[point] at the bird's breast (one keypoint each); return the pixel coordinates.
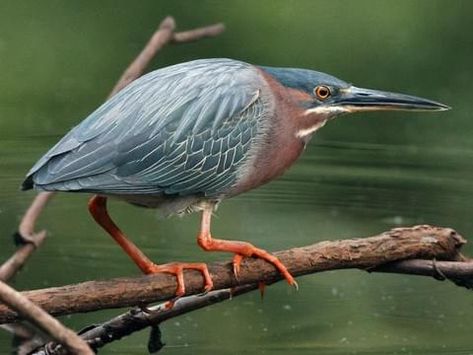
(278, 147)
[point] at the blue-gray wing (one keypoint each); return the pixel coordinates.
(185, 129)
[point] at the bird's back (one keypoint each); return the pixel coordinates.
(183, 130)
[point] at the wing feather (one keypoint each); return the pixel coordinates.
(180, 130)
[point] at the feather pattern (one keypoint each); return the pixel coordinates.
(182, 130)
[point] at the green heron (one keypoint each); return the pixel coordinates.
(186, 137)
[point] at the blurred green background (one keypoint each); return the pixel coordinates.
(361, 174)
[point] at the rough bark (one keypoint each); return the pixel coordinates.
(420, 242)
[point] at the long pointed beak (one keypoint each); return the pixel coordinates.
(355, 99)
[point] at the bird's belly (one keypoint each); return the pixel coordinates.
(166, 205)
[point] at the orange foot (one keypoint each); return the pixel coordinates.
(242, 249)
(177, 269)
(249, 250)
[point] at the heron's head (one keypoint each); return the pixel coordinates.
(326, 97)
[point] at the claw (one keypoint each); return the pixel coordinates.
(263, 254)
(169, 304)
(290, 280)
(177, 269)
(207, 288)
(236, 265)
(262, 288)
(159, 308)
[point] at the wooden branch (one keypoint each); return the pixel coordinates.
(425, 242)
(138, 319)
(26, 236)
(27, 224)
(28, 310)
(10, 267)
(459, 272)
(198, 33)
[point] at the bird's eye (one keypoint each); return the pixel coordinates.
(322, 92)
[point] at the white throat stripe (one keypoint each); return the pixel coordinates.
(308, 131)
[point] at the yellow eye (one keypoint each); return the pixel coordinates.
(322, 92)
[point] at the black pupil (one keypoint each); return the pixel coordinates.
(323, 92)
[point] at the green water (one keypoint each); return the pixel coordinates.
(361, 174)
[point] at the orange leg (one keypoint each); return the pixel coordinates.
(241, 249)
(98, 209)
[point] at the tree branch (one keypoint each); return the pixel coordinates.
(198, 33)
(10, 267)
(27, 237)
(27, 224)
(137, 319)
(425, 242)
(459, 272)
(28, 310)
